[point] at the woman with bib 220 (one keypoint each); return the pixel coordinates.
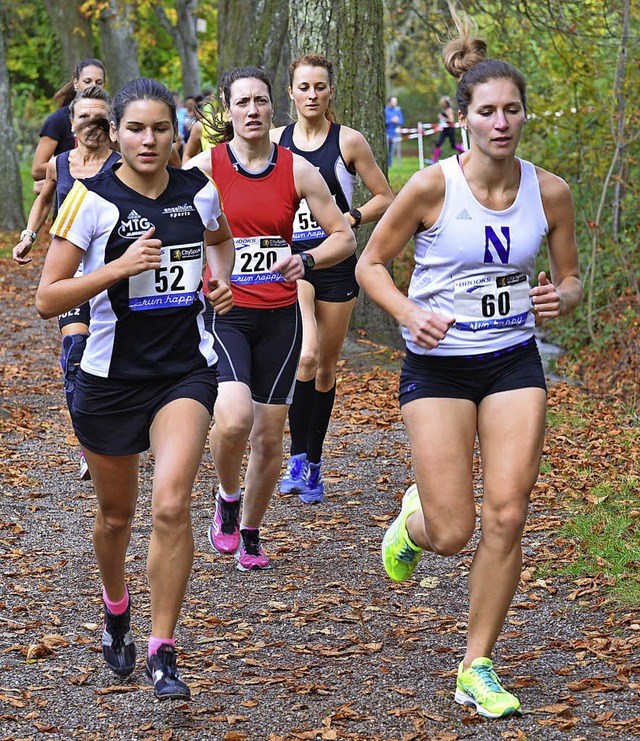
(472, 366)
(259, 341)
(327, 297)
(147, 376)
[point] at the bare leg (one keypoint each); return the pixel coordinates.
(178, 435)
(229, 436)
(333, 322)
(265, 461)
(442, 435)
(308, 364)
(115, 479)
(511, 432)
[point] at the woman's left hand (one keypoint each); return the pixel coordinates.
(220, 295)
(290, 267)
(545, 298)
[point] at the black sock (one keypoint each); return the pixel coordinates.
(319, 423)
(300, 414)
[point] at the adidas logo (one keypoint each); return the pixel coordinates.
(134, 215)
(464, 214)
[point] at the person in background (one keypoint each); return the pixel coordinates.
(147, 377)
(56, 135)
(327, 297)
(181, 114)
(90, 111)
(472, 367)
(393, 120)
(448, 131)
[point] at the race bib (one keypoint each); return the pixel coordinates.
(255, 256)
(491, 302)
(174, 283)
(305, 227)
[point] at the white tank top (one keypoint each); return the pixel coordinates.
(478, 265)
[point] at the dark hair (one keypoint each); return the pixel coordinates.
(215, 123)
(465, 59)
(315, 60)
(142, 88)
(67, 92)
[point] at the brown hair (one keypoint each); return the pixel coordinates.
(215, 123)
(465, 59)
(315, 60)
(67, 92)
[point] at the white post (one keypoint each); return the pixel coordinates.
(465, 140)
(420, 147)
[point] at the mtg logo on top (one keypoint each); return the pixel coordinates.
(135, 226)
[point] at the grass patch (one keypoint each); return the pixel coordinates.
(605, 530)
(28, 196)
(402, 171)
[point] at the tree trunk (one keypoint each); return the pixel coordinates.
(73, 28)
(262, 43)
(11, 211)
(185, 38)
(119, 45)
(351, 35)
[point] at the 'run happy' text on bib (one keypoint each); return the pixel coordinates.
(255, 256)
(175, 283)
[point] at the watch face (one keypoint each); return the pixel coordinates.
(308, 260)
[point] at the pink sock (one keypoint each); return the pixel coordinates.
(246, 527)
(116, 608)
(155, 643)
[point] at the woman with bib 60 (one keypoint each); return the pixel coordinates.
(472, 367)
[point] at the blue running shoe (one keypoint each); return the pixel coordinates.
(118, 648)
(315, 487)
(161, 670)
(295, 480)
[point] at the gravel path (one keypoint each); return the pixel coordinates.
(322, 646)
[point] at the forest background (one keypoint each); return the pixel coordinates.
(580, 59)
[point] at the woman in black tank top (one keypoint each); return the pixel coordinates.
(327, 297)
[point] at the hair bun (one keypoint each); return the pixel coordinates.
(460, 55)
(464, 52)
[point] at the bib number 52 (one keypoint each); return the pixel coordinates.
(170, 278)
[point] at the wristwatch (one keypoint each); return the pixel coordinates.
(28, 233)
(308, 260)
(356, 216)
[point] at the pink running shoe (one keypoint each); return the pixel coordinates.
(224, 533)
(250, 556)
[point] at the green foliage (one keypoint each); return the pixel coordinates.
(36, 68)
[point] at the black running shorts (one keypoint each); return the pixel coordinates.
(113, 416)
(471, 377)
(260, 348)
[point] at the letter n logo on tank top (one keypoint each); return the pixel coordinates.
(494, 244)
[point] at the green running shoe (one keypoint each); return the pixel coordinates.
(399, 555)
(480, 687)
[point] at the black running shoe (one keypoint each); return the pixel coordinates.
(118, 648)
(161, 670)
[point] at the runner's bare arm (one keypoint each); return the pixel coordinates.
(60, 291)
